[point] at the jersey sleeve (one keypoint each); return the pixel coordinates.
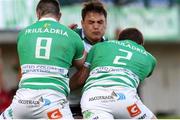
(79, 48)
(154, 62)
(19, 35)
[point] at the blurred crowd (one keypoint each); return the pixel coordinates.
(147, 3)
(6, 95)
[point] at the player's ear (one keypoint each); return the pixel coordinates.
(38, 15)
(82, 23)
(59, 16)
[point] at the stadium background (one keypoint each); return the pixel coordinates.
(159, 21)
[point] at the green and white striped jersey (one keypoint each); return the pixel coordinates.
(118, 63)
(46, 50)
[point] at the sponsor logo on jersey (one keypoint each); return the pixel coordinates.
(119, 96)
(109, 98)
(129, 45)
(42, 100)
(143, 116)
(133, 110)
(7, 115)
(4, 117)
(118, 70)
(100, 98)
(28, 102)
(62, 102)
(55, 114)
(35, 68)
(47, 30)
(45, 101)
(87, 114)
(46, 25)
(10, 112)
(95, 118)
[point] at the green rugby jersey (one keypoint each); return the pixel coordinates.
(118, 63)
(46, 50)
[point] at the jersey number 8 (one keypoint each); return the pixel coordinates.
(43, 47)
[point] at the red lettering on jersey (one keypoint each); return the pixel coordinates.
(55, 114)
(133, 110)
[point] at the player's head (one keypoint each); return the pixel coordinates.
(132, 34)
(94, 20)
(48, 8)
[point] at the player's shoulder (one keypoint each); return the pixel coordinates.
(30, 26)
(99, 44)
(151, 56)
(71, 33)
(78, 31)
(22, 31)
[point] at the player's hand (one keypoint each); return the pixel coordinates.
(73, 26)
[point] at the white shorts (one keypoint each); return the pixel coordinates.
(38, 104)
(113, 103)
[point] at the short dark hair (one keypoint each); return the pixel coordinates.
(45, 7)
(131, 34)
(93, 6)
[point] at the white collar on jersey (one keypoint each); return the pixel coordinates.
(47, 18)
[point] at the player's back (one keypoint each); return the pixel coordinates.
(47, 42)
(124, 62)
(46, 50)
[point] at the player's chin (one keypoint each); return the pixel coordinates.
(97, 37)
(97, 40)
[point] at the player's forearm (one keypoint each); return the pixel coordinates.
(79, 78)
(74, 83)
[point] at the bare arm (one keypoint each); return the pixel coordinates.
(79, 78)
(79, 63)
